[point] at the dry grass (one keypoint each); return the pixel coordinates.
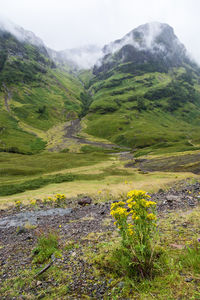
(111, 187)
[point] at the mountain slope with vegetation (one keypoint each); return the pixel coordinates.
(143, 93)
(33, 92)
(146, 96)
(58, 239)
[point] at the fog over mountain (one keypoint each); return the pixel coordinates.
(19, 32)
(83, 57)
(73, 24)
(154, 37)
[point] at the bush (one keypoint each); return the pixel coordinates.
(45, 248)
(136, 221)
(90, 149)
(34, 184)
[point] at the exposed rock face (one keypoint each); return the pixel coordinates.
(152, 46)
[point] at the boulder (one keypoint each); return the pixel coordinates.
(85, 201)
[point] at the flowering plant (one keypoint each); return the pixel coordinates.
(18, 204)
(136, 220)
(58, 200)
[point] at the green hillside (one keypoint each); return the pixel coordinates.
(151, 111)
(131, 99)
(34, 93)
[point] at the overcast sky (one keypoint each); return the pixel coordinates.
(66, 24)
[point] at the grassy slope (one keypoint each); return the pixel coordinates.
(34, 95)
(40, 105)
(125, 112)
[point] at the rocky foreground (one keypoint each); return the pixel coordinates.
(82, 221)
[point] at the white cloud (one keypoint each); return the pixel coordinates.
(66, 24)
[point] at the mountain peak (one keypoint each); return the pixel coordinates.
(150, 43)
(146, 37)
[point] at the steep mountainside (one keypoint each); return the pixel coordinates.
(34, 93)
(148, 48)
(146, 92)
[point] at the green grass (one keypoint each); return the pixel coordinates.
(14, 139)
(14, 185)
(47, 245)
(190, 259)
(14, 167)
(41, 105)
(172, 268)
(34, 184)
(164, 132)
(139, 112)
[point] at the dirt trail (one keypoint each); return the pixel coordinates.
(75, 127)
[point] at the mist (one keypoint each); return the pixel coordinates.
(70, 24)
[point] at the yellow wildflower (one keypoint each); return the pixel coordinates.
(33, 202)
(133, 216)
(129, 200)
(117, 204)
(136, 193)
(119, 212)
(151, 217)
(149, 203)
(130, 205)
(131, 232)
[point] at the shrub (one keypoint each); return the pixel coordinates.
(45, 248)
(18, 204)
(136, 221)
(90, 149)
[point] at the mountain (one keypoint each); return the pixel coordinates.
(34, 94)
(20, 33)
(150, 47)
(144, 92)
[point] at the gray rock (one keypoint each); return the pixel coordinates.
(32, 217)
(172, 198)
(189, 279)
(85, 201)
